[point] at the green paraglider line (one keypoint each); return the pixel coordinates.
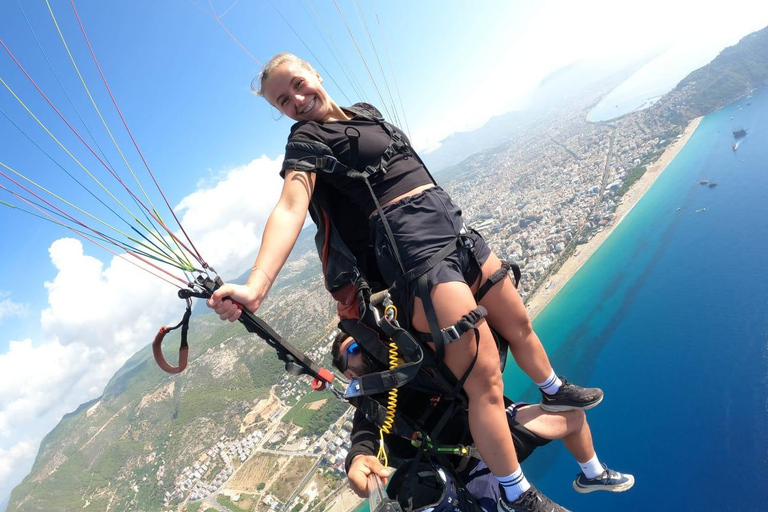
(104, 237)
(172, 256)
(68, 216)
(82, 121)
(87, 146)
(135, 144)
(186, 283)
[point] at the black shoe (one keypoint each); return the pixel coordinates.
(570, 396)
(609, 480)
(530, 501)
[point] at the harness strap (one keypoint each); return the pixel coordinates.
(465, 323)
(441, 337)
(296, 362)
(413, 355)
(457, 389)
(443, 421)
(425, 267)
(376, 414)
(496, 278)
(387, 228)
(328, 163)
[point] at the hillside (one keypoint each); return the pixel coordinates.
(734, 73)
(125, 449)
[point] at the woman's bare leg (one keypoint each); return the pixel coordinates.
(509, 317)
(484, 386)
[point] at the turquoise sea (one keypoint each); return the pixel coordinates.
(670, 318)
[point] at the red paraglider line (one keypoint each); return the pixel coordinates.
(15, 60)
(80, 223)
(130, 134)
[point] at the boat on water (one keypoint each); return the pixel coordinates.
(703, 182)
(735, 146)
(700, 210)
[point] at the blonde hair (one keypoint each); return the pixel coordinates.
(257, 84)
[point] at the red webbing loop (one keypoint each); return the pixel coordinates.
(160, 359)
(157, 349)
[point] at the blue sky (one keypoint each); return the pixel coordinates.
(70, 313)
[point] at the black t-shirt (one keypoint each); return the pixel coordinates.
(358, 143)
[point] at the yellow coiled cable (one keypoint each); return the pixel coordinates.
(389, 418)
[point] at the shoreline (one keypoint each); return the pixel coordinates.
(636, 192)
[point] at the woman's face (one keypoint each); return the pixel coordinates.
(298, 93)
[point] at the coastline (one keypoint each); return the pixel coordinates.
(347, 500)
(555, 282)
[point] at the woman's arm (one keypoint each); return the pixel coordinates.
(280, 234)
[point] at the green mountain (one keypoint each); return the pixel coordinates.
(126, 449)
(734, 73)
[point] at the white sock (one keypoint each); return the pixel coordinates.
(551, 385)
(514, 485)
(592, 468)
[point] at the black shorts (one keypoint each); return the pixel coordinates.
(525, 440)
(423, 224)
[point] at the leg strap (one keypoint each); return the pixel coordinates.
(442, 337)
(497, 276)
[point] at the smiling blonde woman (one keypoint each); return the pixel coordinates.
(411, 221)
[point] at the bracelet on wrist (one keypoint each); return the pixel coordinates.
(256, 267)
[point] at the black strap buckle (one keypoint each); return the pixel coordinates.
(323, 161)
(371, 170)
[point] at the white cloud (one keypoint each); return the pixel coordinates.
(20, 455)
(99, 314)
(91, 305)
(49, 372)
(227, 219)
(9, 308)
(56, 379)
(96, 319)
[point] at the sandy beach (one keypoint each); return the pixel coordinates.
(629, 200)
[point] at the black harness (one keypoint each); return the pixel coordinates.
(347, 279)
(323, 160)
(370, 329)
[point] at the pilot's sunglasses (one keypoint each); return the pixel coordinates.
(352, 349)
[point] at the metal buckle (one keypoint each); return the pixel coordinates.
(451, 334)
(467, 242)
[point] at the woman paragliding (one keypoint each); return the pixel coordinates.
(411, 222)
